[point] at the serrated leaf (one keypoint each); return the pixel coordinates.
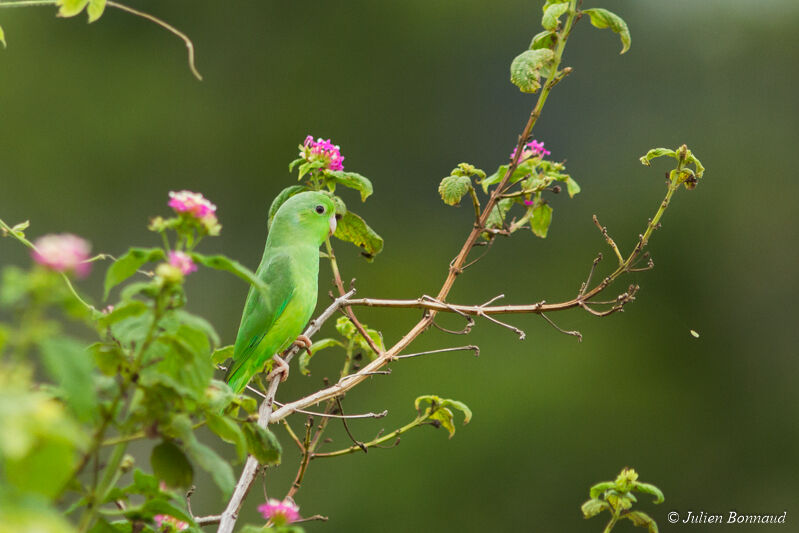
(229, 431)
(171, 465)
(281, 198)
(354, 229)
(220, 262)
(129, 264)
(542, 218)
(305, 358)
(70, 8)
(525, 70)
(95, 9)
(602, 18)
(262, 444)
(220, 470)
(353, 180)
(552, 14)
(453, 188)
(593, 507)
(657, 152)
(650, 489)
(70, 364)
(641, 519)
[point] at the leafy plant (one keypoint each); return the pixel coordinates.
(70, 406)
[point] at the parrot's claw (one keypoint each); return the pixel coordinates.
(304, 342)
(281, 368)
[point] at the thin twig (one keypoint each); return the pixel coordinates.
(167, 27)
(475, 349)
(572, 333)
(330, 415)
(346, 427)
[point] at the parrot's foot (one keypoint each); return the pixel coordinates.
(304, 342)
(281, 369)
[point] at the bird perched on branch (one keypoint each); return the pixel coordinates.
(273, 318)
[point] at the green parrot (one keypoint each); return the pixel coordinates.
(273, 320)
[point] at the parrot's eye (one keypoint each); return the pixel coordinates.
(320, 209)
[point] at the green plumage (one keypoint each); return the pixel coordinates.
(273, 319)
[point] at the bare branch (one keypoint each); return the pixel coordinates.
(574, 333)
(472, 347)
(330, 415)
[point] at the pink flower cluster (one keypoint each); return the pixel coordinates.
(324, 150)
(183, 262)
(193, 203)
(280, 512)
(196, 206)
(63, 253)
(531, 149)
(165, 520)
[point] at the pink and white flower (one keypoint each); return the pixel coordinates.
(280, 512)
(165, 521)
(183, 262)
(531, 149)
(322, 150)
(193, 203)
(63, 253)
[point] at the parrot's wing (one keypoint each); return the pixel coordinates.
(262, 311)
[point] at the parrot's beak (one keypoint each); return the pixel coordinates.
(332, 224)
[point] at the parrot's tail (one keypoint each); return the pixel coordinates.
(238, 377)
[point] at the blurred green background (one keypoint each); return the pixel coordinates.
(98, 123)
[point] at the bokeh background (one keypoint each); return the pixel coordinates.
(98, 123)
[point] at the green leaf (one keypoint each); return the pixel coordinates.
(308, 166)
(70, 8)
(599, 488)
(305, 358)
(263, 444)
(162, 506)
(95, 9)
(228, 431)
(652, 490)
(70, 364)
(593, 507)
(128, 264)
(641, 519)
(552, 14)
(171, 465)
(657, 152)
(453, 188)
(44, 471)
(220, 469)
(545, 39)
(347, 330)
(439, 410)
(338, 203)
(2, 37)
(602, 18)
(525, 70)
(222, 354)
(296, 162)
(496, 219)
(353, 180)
(354, 229)
(571, 186)
(198, 323)
(281, 198)
(542, 218)
(220, 262)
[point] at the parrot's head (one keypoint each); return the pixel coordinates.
(307, 216)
